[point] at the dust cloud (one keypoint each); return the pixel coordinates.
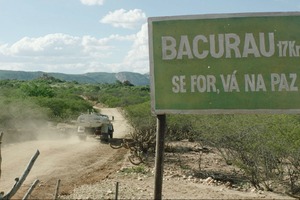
(32, 130)
(22, 121)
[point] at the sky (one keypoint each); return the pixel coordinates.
(80, 36)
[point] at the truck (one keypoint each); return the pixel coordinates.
(95, 125)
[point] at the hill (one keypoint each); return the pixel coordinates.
(91, 77)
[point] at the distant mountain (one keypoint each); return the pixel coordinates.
(92, 77)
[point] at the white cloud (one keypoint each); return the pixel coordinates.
(125, 19)
(62, 45)
(137, 58)
(49, 45)
(92, 2)
(71, 54)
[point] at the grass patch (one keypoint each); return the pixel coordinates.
(141, 169)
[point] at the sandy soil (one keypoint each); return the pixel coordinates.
(67, 158)
(90, 170)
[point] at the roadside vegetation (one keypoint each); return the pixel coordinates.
(265, 147)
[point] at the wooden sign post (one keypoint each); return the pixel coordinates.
(159, 155)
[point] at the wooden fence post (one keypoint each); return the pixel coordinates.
(30, 189)
(117, 191)
(57, 189)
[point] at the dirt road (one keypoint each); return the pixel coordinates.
(72, 161)
(92, 169)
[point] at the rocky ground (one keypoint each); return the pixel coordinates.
(186, 176)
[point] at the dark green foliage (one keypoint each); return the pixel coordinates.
(122, 95)
(52, 98)
(64, 109)
(139, 115)
(37, 90)
(127, 83)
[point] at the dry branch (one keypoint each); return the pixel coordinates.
(19, 181)
(31, 189)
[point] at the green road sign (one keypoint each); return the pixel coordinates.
(235, 63)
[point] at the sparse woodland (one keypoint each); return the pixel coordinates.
(265, 147)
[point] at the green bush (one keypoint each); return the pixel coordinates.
(266, 147)
(139, 116)
(37, 90)
(118, 95)
(144, 126)
(180, 127)
(56, 100)
(64, 109)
